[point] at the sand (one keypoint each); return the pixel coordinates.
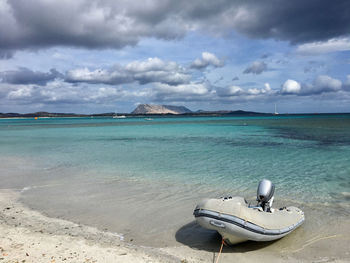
(29, 236)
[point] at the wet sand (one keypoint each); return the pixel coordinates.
(29, 236)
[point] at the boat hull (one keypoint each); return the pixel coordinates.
(236, 222)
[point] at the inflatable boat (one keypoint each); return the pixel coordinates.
(236, 221)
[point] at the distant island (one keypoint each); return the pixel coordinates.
(160, 109)
(147, 110)
(140, 111)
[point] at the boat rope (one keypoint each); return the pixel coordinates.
(222, 245)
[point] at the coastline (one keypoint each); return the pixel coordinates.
(28, 235)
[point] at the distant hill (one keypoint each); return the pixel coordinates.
(160, 109)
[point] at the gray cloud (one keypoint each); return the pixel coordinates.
(27, 76)
(115, 24)
(265, 55)
(257, 67)
(314, 67)
(322, 84)
(347, 83)
(6, 54)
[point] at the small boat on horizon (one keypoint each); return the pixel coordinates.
(119, 116)
(237, 221)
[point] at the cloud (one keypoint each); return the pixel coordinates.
(218, 80)
(295, 21)
(347, 83)
(59, 92)
(6, 54)
(314, 66)
(236, 91)
(157, 70)
(265, 55)
(235, 78)
(257, 67)
(321, 84)
(113, 76)
(21, 93)
(191, 89)
(27, 76)
(291, 87)
(144, 72)
(208, 59)
(331, 45)
(99, 24)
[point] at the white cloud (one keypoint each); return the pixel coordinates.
(267, 87)
(207, 60)
(251, 92)
(291, 87)
(157, 70)
(193, 89)
(21, 92)
(331, 45)
(113, 76)
(146, 71)
(151, 64)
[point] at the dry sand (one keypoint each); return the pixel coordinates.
(29, 236)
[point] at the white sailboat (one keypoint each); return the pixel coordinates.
(276, 113)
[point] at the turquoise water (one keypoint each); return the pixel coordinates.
(77, 164)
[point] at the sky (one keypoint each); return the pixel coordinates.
(95, 56)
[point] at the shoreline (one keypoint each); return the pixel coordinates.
(29, 236)
(26, 234)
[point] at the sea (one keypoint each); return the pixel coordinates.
(141, 178)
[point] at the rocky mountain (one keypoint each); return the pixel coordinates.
(160, 109)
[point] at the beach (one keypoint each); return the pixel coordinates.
(29, 236)
(83, 190)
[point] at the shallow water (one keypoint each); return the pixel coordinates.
(143, 178)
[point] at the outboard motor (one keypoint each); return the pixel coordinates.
(265, 192)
